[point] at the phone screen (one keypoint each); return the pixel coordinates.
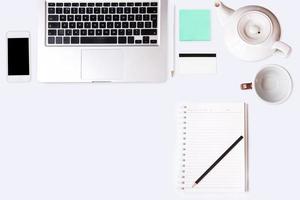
(18, 56)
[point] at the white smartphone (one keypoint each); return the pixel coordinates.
(18, 57)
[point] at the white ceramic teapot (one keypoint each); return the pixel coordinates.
(252, 33)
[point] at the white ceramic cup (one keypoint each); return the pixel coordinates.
(273, 84)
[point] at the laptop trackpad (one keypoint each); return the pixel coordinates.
(102, 65)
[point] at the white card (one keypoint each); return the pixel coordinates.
(196, 64)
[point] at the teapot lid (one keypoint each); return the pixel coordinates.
(255, 27)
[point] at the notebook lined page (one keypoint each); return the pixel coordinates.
(206, 132)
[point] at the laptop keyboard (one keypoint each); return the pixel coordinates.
(102, 23)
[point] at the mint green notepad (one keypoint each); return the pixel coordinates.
(195, 25)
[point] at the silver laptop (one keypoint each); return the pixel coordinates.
(103, 41)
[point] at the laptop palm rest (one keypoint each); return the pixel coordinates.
(102, 65)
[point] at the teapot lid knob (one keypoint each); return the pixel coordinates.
(217, 3)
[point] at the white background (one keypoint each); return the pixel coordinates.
(118, 141)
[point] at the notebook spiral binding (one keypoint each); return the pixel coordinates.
(184, 135)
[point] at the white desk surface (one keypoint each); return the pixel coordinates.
(117, 141)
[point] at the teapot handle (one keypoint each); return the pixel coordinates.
(282, 47)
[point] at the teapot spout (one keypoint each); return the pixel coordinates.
(223, 12)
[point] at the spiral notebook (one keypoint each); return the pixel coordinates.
(205, 132)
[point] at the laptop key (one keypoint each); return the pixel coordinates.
(122, 40)
(51, 10)
(89, 10)
(99, 40)
(148, 25)
(102, 25)
(130, 40)
(67, 40)
(136, 32)
(79, 24)
(149, 32)
(116, 17)
(75, 40)
(153, 41)
(85, 17)
(98, 32)
(61, 32)
(53, 25)
(118, 25)
(129, 32)
(139, 17)
(114, 32)
(104, 10)
(121, 32)
(140, 24)
(97, 10)
(100, 17)
(93, 17)
(110, 24)
(125, 25)
(70, 17)
(53, 18)
(123, 17)
(77, 17)
(68, 32)
(59, 10)
(83, 32)
(112, 10)
(143, 9)
(91, 32)
(51, 32)
(154, 24)
(87, 25)
(127, 10)
(63, 18)
(95, 25)
(135, 10)
(108, 17)
(146, 40)
(67, 10)
(120, 10)
(106, 32)
(64, 25)
(81, 10)
(75, 32)
(59, 40)
(130, 17)
(132, 24)
(74, 10)
(51, 40)
(151, 10)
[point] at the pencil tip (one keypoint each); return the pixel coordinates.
(195, 184)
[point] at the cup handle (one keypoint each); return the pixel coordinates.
(282, 47)
(246, 86)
